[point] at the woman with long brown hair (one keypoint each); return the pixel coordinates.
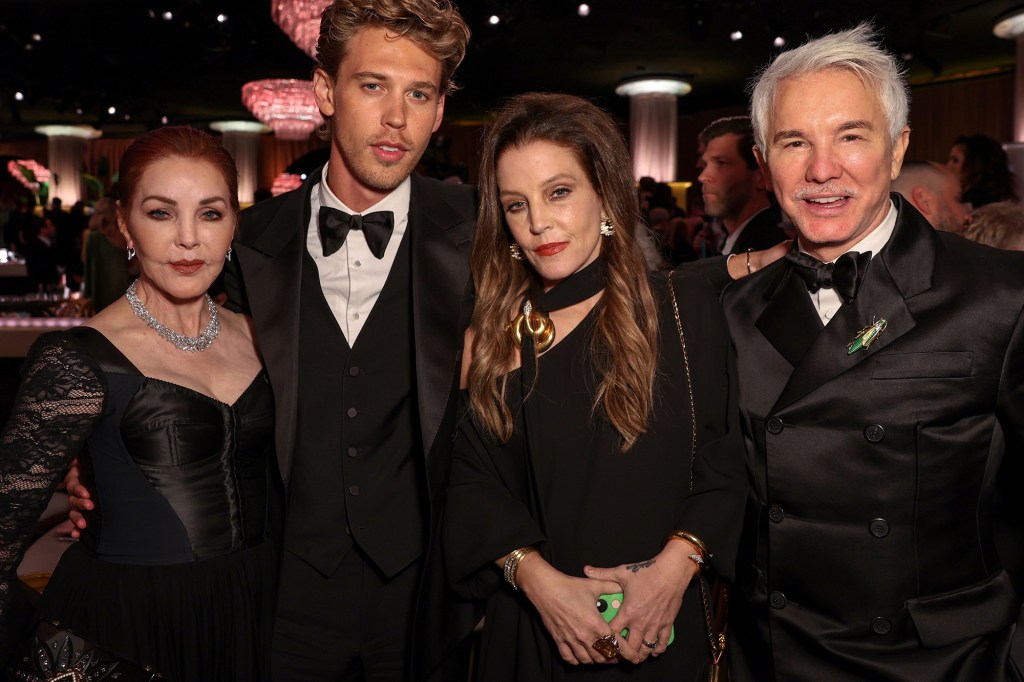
(601, 423)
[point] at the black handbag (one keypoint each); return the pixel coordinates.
(55, 654)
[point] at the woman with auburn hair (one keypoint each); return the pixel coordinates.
(600, 453)
(163, 395)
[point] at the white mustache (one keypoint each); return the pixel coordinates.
(824, 190)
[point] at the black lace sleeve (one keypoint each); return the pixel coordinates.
(59, 400)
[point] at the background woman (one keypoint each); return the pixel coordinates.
(984, 170)
(585, 455)
(106, 269)
(165, 393)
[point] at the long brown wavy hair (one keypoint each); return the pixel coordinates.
(624, 346)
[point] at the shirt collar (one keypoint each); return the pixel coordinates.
(397, 201)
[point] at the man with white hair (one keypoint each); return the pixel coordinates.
(881, 389)
(934, 190)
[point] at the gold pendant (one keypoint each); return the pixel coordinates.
(537, 325)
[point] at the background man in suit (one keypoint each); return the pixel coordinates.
(734, 188)
(934, 190)
(357, 284)
(879, 396)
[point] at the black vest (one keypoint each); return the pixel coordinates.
(358, 456)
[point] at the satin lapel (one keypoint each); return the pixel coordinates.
(789, 321)
(902, 270)
(440, 239)
(271, 267)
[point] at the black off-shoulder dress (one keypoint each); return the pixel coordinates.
(175, 570)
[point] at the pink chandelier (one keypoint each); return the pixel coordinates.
(300, 20)
(284, 104)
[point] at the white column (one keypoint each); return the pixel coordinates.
(242, 140)
(64, 159)
(653, 123)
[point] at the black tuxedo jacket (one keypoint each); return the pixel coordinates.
(869, 550)
(264, 281)
(762, 232)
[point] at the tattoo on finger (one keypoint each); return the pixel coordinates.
(640, 564)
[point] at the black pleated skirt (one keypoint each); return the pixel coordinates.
(209, 620)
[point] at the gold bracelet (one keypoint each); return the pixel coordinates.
(511, 566)
(698, 544)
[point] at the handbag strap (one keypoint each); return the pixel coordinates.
(715, 642)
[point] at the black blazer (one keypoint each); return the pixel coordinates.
(869, 548)
(264, 281)
(762, 232)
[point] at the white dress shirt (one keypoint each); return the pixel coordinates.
(352, 277)
(827, 301)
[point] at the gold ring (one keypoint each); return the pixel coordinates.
(607, 646)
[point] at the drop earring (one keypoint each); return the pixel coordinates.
(515, 252)
(131, 252)
(607, 229)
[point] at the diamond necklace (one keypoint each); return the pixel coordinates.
(189, 344)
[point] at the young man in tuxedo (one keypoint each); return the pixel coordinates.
(358, 287)
(881, 375)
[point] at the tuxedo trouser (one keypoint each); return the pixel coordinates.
(353, 625)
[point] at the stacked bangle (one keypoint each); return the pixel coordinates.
(511, 566)
(701, 556)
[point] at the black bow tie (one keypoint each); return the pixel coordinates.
(334, 226)
(845, 275)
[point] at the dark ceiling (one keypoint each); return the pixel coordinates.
(93, 54)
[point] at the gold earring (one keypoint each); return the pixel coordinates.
(607, 229)
(515, 252)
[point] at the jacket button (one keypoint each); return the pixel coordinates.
(774, 426)
(353, 371)
(352, 411)
(776, 514)
(874, 433)
(352, 452)
(777, 600)
(348, 531)
(879, 528)
(881, 626)
(353, 490)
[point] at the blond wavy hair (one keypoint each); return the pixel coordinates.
(624, 346)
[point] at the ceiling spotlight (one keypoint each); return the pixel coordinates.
(127, 117)
(78, 110)
(163, 120)
(494, 20)
(583, 10)
(168, 16)
(1011, 24)
(19, 96)
(111, 110)
(28, 47)
(36, 37)
(736, 35)
(779, 41)
(907, 56)
(221, 18)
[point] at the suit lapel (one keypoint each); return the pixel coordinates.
(901, 270)
(789, 321)
(271, 265)
(440, 243)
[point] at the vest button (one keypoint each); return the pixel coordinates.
(879, 528)
(776, 514)
(874, 433)
(777, 600)
(352, 411)
(881, 626)
(358, 264)
(352, 452)
(774, 426)
(353, 490)
(353, 371)
(355, 316)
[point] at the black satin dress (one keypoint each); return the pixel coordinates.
(175, 570)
